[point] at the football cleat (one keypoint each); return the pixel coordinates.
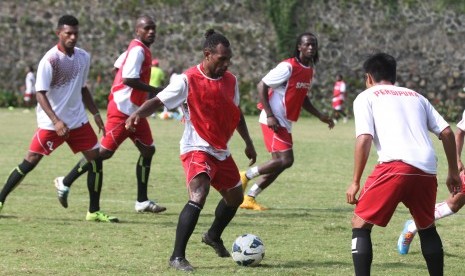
(100, 217)
(180, 263)
(149, 206)
(405, 239)
(244, 180)
(251, 204)
(62, 191)
(218, 245)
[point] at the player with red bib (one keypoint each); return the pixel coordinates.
(283, 92)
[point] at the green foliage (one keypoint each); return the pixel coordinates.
(8, 98)
(282, 15)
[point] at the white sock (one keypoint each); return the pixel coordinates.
(252, 172)
(254, 190)
(441, 210)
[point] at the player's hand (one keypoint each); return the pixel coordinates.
(351, 193)
(251, 154)
(61, 128)
(132, 121)
(101, 126)
(454, 183)
(326, 119)
(272, 123)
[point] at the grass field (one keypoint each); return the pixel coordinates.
(306, 232)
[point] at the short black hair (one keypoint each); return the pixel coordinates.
(382, 67)
(67, 20)
(212, 39)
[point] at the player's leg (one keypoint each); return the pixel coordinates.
(144, 143)
(94, 186)
(18, 174)
(420, 199)
(84, 139)
(226, 180)
(431, 248)
(44, 142)
(441, 210)
(362, 248)
(270, 171)
(198, 189)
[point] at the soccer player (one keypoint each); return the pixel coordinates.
(62, 96)
(209, 95)
(29, 90)
(339, 96)
(445, 208)
(397, 121)
(130, 89)
(282, 93)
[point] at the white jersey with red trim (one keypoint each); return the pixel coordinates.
(174, 95)
(406, 118)
(63, 77)
(461, 124)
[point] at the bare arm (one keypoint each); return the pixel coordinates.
(307, 105)
(60, 127)
(139, 85)
(145, 110)
(92, 107)
(448, 142)
(272, 122)
(459, 138)
(361, 154)
(249, 147)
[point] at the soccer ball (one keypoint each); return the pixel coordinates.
(248, 250)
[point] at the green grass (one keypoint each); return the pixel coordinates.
(307, 231)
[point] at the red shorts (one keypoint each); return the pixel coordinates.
(276, 141)
(116, 132)
(394, 182)
(79, 139)
(224, 175)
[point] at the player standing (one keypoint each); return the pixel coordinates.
(130, 89)
(398, 121)
(62, 96)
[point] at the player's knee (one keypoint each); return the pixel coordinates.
(287, 162)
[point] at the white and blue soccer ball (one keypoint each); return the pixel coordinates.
(248, 250)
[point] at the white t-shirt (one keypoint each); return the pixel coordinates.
(174, 95)
(30, 80)
(63, 77)
(119, 60)
(461, 124)
(399, 119)
(277, 79)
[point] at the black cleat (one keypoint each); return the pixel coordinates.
(181, 263)
(220, 250)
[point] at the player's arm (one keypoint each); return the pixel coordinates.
(459, 139)
(448, 142)
(60, 127)
(361, 154)
(263, 97)
(249, 147)
(89, 102)
(136, 83)
(145, 110)
(307, 105)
